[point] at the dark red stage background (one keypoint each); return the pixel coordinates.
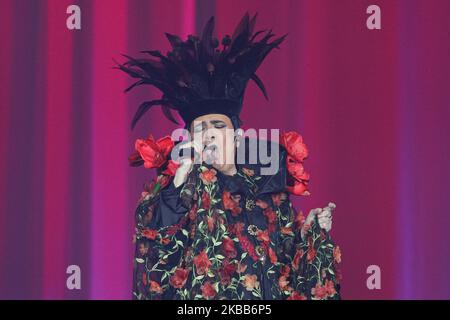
(372, 105)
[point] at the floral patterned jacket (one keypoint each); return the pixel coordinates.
(235, 237)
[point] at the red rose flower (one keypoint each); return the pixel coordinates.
(319, 292)
(206, 201)
(300, 219)
(247, 246)
(226, 272)
(228, 248)
(278, 198)
(285, 270)
(155, 287)
(178, 279)
(329, 286)
(211, 223)
(283, 282)
(154, 153)
(263, 236)
(208, 176)
(230, 204)
(270, 215)
(193, 212)
(293, 142)
(202, 262)
(172, 230)
(165, 241)
(287, 231)
(311, 251)
(208, 290)
(150, 234)
(262, 204)
(273, 256)
(296, 296)
(337, 254)
(296, 261)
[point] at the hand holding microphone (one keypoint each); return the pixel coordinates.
(186, 162)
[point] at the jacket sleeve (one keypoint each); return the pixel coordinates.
(312, 260)
(158, 214)
(162, 209)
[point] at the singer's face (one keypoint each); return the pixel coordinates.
(216, 133)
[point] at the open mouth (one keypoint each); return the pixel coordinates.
(211, 153)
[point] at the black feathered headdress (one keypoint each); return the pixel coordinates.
(201, 76)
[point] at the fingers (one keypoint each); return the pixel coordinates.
(325, 223)
(324, 214)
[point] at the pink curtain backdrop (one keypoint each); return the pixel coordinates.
(373, 107)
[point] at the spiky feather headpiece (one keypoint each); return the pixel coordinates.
(199, 77)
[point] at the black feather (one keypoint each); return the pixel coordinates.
(143, 108)
(198, 70)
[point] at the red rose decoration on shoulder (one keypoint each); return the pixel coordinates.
(154, 154)
(297, 151)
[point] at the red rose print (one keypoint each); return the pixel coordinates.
(319, 292)
(172, 230)
(300, 219)
(165, 241)
(211, 223)
(208, 176)
(296, 260)
(273, 256)
(270, 215)
(263, 236)
(287, 231)
(285, 270)
(296, 296)
(283, 282)
(230, 204)
(206, 201)
(228, 248)
(329, 286)
(262, 204)
(337, 254)
(311, 254)
(247, 246)
(202, 262)
(155, 287)
(208, 290)
(278, 198)
(150, 234)
(226, 272)
(178, 279)
(193, 212)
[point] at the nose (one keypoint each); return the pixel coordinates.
(209, 135)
